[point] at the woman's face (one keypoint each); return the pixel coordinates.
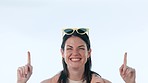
(75, 52)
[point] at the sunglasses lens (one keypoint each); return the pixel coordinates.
(82, 30)
(68, 31)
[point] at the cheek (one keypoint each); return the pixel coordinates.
(85, 58)
(84, 52)
(66, 55)
(65, 58)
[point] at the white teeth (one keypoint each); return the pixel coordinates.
(76, 59)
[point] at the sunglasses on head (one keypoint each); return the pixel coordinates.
(70, 31)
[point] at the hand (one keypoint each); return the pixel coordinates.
(128, 74)
(97, 79)
(24, 72)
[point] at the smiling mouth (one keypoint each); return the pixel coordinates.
(75, 59)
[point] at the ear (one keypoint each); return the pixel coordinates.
(62, 52)
(89, 53)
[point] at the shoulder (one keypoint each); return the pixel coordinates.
(98, 79)
(54, 79)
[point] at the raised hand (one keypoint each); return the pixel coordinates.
(128, 74)
(24, 72)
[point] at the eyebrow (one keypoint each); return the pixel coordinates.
(78, 46)
(69, 46)
(81, 46)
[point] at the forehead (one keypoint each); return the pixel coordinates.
(74, 40)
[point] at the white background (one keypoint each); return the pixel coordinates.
(116, 26)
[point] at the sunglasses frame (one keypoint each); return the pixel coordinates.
(75, 29)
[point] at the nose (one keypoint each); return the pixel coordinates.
(75, 52)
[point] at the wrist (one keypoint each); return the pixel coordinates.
(130, 82)
(20, 82)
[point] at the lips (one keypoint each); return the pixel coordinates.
(75, 59)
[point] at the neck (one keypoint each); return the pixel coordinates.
(76, 74)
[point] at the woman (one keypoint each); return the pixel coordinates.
(76, 58)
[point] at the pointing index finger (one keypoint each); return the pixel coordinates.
(125, 59)
(29, 58)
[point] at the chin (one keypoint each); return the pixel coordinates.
(76, 66)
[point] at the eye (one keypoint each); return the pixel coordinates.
(68, 48)
(82, 48)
